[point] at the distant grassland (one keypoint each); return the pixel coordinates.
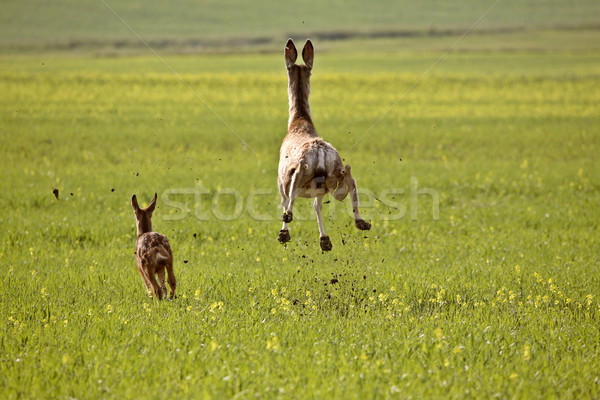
(497, 297)
(478, 168)
(103, 27)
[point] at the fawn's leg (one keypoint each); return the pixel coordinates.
(171, 280)
(324, 239)
(349, 180)
(145, 280)
(155, 287)
(161, 280)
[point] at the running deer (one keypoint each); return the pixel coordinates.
(152, 252)
(309, 166)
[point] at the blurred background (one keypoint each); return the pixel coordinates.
(105, 27)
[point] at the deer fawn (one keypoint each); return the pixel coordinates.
(152, 252)
(309, 166)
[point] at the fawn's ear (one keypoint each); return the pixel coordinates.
(152, 204)
(290, 54)
(308, 54)
(134, 203)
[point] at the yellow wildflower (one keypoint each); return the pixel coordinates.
(273, 344)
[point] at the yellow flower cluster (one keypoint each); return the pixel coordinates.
(284, 304)
(16, 323)
(273, 344)
(216, 306)
(525, 291)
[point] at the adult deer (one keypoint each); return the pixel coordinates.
(309, 166)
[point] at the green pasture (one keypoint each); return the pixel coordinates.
(477, 167)
(497, 295)
(90, 20)
(234, 26)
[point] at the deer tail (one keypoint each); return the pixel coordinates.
(320, 171)
(161, 258)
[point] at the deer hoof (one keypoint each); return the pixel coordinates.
(284, 236)
(326, 243)
(287, 217)
(362, 224)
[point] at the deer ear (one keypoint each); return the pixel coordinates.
(134, 203)
(152, 204)
(308, 54)
(290, 54)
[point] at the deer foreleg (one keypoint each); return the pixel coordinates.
(284, 234)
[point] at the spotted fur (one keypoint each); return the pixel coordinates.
(152, 253)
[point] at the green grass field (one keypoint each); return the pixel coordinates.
(234, 26)
(479, 278)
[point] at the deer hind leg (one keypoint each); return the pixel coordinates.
(145, 280)
(294, 183)
(171, 279)
(155, 287)
(349, 180)
(284, 233)
(324, 240)
(161, 281)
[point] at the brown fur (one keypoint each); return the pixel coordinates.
(152, 253)
(309, 166)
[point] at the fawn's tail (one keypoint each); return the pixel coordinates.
(161, 259)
